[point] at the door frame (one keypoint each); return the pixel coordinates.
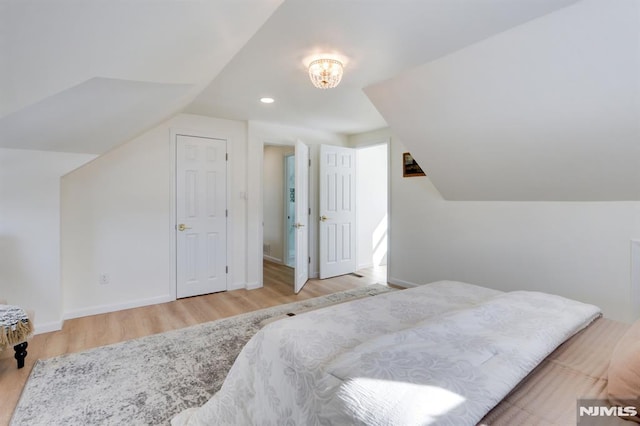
(386, 140)
(260, 143)
(286, 245)
(387, 143)
(173, 281)
(302, 161)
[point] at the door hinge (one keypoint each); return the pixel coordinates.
(226, 156)
(309, 259)
(309, 162)
(226, 213)
(309, 211)
(226, 269)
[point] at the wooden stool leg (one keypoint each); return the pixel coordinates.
(21, 353)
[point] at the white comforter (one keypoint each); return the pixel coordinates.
(443, 353)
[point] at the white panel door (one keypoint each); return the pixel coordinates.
(201, 215)
(337, 211)
(302, 215)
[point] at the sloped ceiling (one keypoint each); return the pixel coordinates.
(60, 59)
(549, 110)
(98, 112)
(497, 99)
(377, 39)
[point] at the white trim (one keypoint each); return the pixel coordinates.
(388, 262)
(47, 327)
(253, 286)
(399, 282)
(103, 309)
(175, 132)
(365, 266)
(273, 259)
(285, 216)
(635, 278)
(236, 286)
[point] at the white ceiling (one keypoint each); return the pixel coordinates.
(378, 38)
(55, 54)
(58, 57)
(67, 121)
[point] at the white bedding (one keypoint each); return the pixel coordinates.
(443, 353)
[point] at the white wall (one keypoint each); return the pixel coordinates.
(266, 133)
(371, 202)
(30, 230)
(117, 219)
(274, 200)
(579, 250)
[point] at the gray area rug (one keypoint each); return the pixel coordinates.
(149, 380)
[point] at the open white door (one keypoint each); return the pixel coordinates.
(302, 216)
(201, 215)
(337, 211)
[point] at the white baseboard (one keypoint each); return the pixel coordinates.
(273, 259)
(402, 283)
(47, 327)
(236, 286)
(103, 309)
(253, 286)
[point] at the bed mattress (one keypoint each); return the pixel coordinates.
(446, 352)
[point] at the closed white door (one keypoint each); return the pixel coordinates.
(302, 215)
(337, 211)
(201, 215)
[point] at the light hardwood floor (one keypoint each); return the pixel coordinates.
(98, 330)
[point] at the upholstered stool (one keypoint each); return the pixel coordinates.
(15, 328)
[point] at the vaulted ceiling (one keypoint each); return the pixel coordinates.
(491, 96)
(377, 38)
(547, 111)
(84, 76)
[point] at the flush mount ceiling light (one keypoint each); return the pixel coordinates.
(325, 73)
(267, 100)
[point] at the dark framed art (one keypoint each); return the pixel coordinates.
(409, 166)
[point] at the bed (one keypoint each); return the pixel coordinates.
(442, 353)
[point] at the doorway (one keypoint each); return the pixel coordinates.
(372, 207)
(285, 187)
(278, 213)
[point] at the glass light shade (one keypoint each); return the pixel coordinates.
(325, 73)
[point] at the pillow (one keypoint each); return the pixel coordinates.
(623, 387)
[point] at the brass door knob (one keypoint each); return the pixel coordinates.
(323, 218)
(183, 227)
(299, 225)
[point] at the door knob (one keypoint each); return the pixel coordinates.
(183, 227)
(299, 225)
(323, 218)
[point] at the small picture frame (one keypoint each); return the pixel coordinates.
(409, 166)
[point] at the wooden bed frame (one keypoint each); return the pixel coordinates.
(576, 370)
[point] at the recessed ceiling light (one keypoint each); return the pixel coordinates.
(267, 100)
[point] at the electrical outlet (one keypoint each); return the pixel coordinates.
(103, 279)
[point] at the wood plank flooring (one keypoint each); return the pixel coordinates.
(98, 330)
